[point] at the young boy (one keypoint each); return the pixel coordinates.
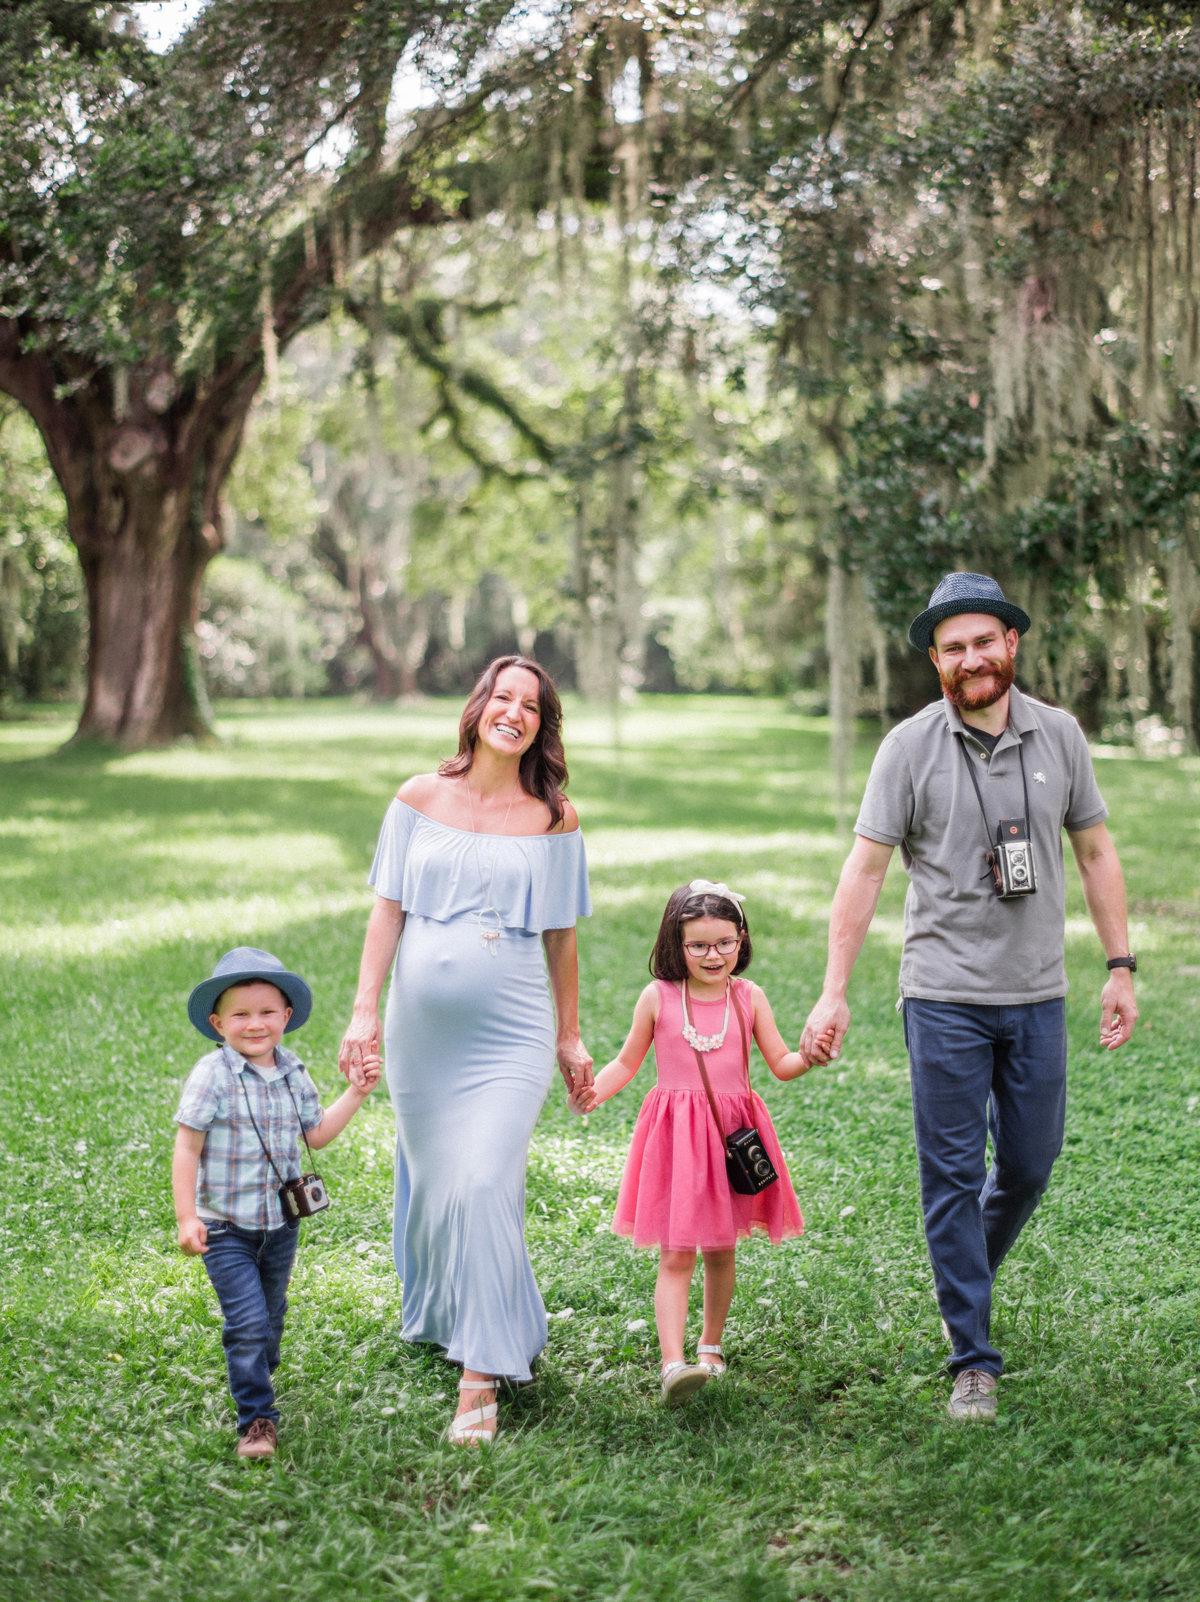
(240, 1117)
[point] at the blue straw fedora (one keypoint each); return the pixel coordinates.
(964, 592)
(242, 966)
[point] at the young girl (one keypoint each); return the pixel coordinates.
(676, 1192)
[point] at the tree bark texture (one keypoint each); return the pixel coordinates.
(141, 468)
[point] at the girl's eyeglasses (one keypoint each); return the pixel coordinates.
(724, 948)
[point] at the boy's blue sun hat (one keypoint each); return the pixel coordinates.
(242, 966)
(957, 593)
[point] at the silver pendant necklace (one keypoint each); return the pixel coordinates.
(489, 930)
(692, 1035)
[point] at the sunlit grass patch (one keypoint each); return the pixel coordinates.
(822, 1467)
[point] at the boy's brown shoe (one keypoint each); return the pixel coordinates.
(259, 1440)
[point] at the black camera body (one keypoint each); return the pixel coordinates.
(750, 1169)
(301, 1198)
(1012, 861)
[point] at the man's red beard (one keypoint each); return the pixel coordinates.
(971, 692)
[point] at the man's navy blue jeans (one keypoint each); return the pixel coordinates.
(250, 1269)
(977, 1070)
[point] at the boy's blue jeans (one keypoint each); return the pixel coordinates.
(977, 1070)
(250, 1269)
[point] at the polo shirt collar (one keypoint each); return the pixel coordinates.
(1022, 719)
(285, 1061)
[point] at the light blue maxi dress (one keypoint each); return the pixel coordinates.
(469, 1051)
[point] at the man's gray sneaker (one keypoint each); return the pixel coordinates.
(973, 1396)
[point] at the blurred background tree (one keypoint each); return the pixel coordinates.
(686, 346)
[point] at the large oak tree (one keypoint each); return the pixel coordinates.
(168, 222)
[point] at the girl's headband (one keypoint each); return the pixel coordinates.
(707, 887)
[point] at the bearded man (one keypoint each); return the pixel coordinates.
(976, 790)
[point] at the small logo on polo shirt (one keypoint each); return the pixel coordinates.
(1040, 777)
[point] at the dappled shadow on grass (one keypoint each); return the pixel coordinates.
(824, 1466)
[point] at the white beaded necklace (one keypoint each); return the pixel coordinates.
(488, 937)
(692, 1035)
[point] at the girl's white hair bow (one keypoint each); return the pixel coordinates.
(710, 887)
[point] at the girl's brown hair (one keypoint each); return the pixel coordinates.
(543, 768)
(667, 959)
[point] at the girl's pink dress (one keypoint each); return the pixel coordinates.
(675, 1191)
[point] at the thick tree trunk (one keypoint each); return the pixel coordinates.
(141, 466)
(143, 508)
(143, 590)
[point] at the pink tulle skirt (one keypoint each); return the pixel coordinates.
(675, 1191)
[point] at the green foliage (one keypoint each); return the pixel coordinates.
(257, 637)
(913, 505)
(42, 612)
(823, 1466)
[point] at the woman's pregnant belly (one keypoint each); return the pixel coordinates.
(461, 999)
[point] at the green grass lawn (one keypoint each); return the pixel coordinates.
(822, 1468)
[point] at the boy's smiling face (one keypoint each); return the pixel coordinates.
(251, 1018)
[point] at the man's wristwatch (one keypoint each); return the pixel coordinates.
(1129, 962)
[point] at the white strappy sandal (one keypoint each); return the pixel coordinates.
(471, 1428)
(717, 1368)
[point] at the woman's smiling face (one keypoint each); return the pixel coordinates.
(512, 715)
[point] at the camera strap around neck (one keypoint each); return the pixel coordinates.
(258, 1131)
(979, 794)
(699, 1056)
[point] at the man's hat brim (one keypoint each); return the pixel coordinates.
(920, 630)
(203, 1000)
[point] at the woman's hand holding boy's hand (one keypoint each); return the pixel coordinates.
(371, 1072)
(193, 1236)
(583, 1100)
(360, 1044)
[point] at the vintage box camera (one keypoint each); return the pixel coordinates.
(301, 1198)
(750, 1169)
(1012, 861)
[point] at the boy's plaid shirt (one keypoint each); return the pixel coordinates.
(235, 1181)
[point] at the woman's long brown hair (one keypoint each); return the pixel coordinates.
(543, 770)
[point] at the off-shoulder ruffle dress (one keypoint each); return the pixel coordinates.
(675, 1191)
(469, 1050)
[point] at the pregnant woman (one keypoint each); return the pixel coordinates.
(475, 862)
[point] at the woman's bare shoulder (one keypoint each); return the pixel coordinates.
(420, 790)
(570, 820)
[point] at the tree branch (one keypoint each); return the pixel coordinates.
(401, 322)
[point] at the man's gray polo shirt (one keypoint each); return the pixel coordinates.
(961, 942)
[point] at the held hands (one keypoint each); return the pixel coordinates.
(583, 1100)
(193, 1236)
(574, 1064)
(360, 1044)
(798, 1062)
(371, 1071)
(825, 1030)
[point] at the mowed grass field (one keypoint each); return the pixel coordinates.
(822, 1468)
